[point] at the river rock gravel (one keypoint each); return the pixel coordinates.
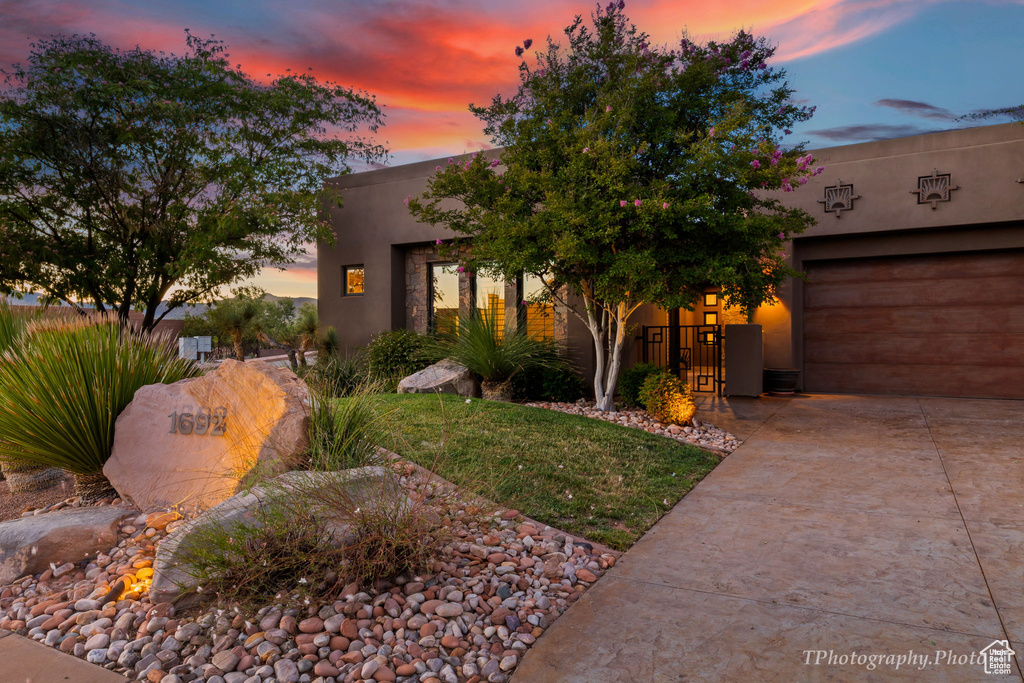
(497, 586)
(698, 433)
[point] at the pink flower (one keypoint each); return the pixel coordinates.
(711, 133)
(461, 269)
(438, 241)
(407, 200)
(803, 180)
(782, 235)
(623, 203)
(756, 164)
(608, 108)
(586, 149)
(451, 161)
(438, 168)
(636, 202)
(664, 205)
(519, 51)
(527, 43)
(494, 163)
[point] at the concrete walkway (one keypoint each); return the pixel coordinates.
(845, 524)
(26, 661)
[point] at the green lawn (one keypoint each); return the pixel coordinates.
(589, 477)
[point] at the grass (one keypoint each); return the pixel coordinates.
(599, 480)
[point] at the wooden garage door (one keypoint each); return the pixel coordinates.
(936, 325)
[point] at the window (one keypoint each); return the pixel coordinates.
(710, 298)
(710, 317)
(443, 300)
(537, 316)
(489, 299)
(353, 283)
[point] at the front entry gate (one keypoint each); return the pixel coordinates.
(693, 352)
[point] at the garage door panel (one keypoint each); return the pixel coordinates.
(986, 264)
(940, 325)
(929, 292)
(939, 380)
(993, 319)
(915, 349)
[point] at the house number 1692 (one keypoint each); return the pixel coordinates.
(205, 422)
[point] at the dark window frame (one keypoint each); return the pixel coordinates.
(344, 280)
(431, 329)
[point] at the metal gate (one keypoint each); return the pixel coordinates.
(694, 352)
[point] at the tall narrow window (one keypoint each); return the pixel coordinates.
(538, 316)
(489, 300)
(354, 283)
(443, 311)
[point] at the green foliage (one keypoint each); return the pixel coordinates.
(346, 433)
(490, 352)
(632, 174)
(621, 480)
(667, 398)
(336, 376)
(13, 324)
(632, 379)
(561, 383)
(394, 354)
(235, 319)
(128, 174)
(64, 383)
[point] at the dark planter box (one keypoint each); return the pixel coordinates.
(781, 381)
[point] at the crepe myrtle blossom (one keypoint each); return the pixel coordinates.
(623, 203)
(636, 203)
(608, 108)
(586, 150)
(519, 51)
(407, 198)
(755, 164)
(438, 241)
(711, 132)
(527, 43)
(782, 235)
(461, 269)
(494, 162)
(664, 205)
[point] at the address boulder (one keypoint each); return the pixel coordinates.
(193, 443)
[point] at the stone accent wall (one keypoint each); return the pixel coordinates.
(417, 290)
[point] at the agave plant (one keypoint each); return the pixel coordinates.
(62, 386)
(493, 354)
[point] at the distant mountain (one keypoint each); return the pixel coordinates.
(32, 299)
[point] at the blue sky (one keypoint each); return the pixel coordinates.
(874, 68)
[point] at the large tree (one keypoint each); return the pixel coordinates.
(129, 177)
(632, 174)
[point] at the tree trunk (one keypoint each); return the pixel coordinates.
(24, 477)
(303, 347)
(291, 359)
(93, 487)
(496, 391)
(239, 351)
(607, 350)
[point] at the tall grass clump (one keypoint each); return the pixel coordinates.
(347, 432)
(62, 386)
(493, 354)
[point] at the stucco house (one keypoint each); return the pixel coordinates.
(915, 274)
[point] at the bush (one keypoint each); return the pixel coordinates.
(63, 384)
(335, 376)
(394, 354)
(631, 380)
(667, 398)
(346, 433)
(561, 383)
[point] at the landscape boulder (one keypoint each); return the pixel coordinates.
(445, 377)
(195, 442)
(363, 487)
(29, 545)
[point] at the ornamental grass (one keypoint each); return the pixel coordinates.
(64, 382)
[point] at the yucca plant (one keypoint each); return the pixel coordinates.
(493, 354)
(62, 386)
(234, 318)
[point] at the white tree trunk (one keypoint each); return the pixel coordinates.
(607, 349)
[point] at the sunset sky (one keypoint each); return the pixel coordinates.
(874, 68)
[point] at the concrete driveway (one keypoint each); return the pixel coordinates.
(846, 531)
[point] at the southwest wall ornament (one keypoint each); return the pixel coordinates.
(934, 188)
(839, 198)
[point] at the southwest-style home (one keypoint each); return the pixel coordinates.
(915, 274)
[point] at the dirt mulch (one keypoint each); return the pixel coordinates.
(12, 505)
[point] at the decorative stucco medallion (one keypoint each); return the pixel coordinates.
(934, 188)
(839, 198)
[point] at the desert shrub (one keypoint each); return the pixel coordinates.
(394, 354)
(335, 376)
(667, 398)
(279, 553)
(63, 384)
(562, 383)
(491, 353)
(632, 379)
(347, 432)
